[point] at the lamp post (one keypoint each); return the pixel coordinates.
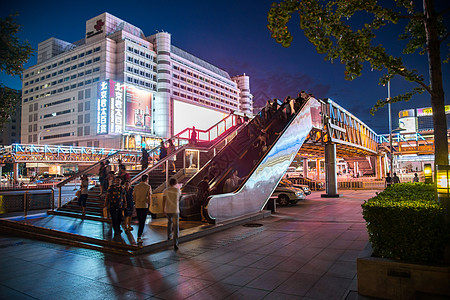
(39, 135)
(390, 129)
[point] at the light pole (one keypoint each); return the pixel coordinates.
(390, 129)
(39, 135)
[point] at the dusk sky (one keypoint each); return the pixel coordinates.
(233, 36)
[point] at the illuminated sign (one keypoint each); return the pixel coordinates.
(406, 113)
(422, 112)
(407, 124)
(138, 107)
(116, 108)
(110, 107)
(102, 107)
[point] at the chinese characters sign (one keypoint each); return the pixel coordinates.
(102, 107)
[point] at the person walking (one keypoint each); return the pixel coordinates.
(193, 139)
(102, 177)
(202, 196)
(395, 179)
(107, 180)
(142, 195)
(84, 193)
(171, 149)
(144, 159)
(388, 179)
(416, 178)
(171, 205)
(123, 174)
(128, 212)
(115, 198)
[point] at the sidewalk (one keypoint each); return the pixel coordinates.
(307, 251)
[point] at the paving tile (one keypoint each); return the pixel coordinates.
(247, 259)
(215, 291)
(247, 293)
(281, 296)
(185, 289)
(269, 262)
(343, 269)
(329, 287)
(269, 280)
(243, 276)
(298, 284)
(316, 266)
(8, 293)
(220, 272)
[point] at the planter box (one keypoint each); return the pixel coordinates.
(388, 279)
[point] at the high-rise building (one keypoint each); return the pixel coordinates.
(118, 88)
(10, 132)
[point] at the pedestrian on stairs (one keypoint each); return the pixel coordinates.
(84, 193)
(115, 199)
(142, 194)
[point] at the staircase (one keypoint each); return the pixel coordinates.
(365, 165)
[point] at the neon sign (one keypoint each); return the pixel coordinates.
(102, 108)
(116, 109)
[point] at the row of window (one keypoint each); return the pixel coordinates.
(141, 83)
(201, 77)
(195, 99)
(206, 87)
(195, 91)
(61, 80)
(63, 89)
(141, 53)
(56, 124)
(140, 72)
(141, 63)
(61, 62)
(86, 129)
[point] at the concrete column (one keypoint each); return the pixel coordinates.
(305, 167)
(16, 173)
(379, 167)
(317, 169)
(330, 172)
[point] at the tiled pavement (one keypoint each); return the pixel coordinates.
(307, 251)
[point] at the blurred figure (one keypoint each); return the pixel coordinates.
(388, 179)
(144, 159)
(171, 204)
(102, 176)
(171, 149)
(395, 179)
(202, 196)
(128, 212)
(84, 193)
(115, 199)
(193, 139)
(142, 194)
(416, 178)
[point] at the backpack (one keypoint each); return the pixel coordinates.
(116, 197)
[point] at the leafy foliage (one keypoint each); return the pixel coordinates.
(13, 54)
(406, 223)
(327, 25)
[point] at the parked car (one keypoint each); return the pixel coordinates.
(304, 187)
(286, 194)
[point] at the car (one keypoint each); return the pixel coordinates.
(286, 194)
(304, 187)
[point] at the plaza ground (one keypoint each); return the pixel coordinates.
(305, 251)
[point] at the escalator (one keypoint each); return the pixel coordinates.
(261, 168)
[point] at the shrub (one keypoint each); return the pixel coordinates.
(405, 222)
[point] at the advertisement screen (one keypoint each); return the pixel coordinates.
(407, 124)
(188, 115)
(138, 107)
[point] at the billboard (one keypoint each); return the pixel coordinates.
(422, 112)
(407, 125)
(110, 107)
(138, 107)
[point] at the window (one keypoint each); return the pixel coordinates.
(73, 76)
(36, 107)
(80, 65)
(96, 69)
(72, 86)
(80, 83)
(80, 95)
(88, 62)
(96, 79)
(81, 55)
(87, 105)
(66, 88)
(60, 71)
(27, 75)
(87, 118)
(34, 127)
(66, 69)
(88, 72)
(97, 49)
(54, 74)
(30, 128)
(96, 59)
(80, 107)
(60, 80)
(87, 82)
(30, 139)
(66, 60)
(80, 119)
(87, 130)
(60, 62)
(89, 52)
(30, 108)
(73, 67)
(80, 131)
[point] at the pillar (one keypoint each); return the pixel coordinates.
(16, 173)
(330, 172)
(317, 169)
(305, 168)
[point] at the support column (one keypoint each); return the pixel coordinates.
(317, 169)
(305, 168)
(16, 173)
(330, 172)
(379, 167)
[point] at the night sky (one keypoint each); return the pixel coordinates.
(232, 35)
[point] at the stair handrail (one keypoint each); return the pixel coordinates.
(79, 173)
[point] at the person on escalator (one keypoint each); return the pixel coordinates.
(213, 171)
(202, 196)
(232, 183)
(171, 149)
(193, 139)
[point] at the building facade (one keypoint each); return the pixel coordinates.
(117, 88)
(10, 132)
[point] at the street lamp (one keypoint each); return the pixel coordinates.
(390, 129)
(39, 135)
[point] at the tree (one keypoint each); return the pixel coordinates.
(329, 27)
(13, 55)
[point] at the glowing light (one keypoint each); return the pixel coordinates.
(188, 115)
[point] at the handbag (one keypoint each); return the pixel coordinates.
(105, 212)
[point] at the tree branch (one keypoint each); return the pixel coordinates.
(421, 18)
(443, 39)
(444, 12)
